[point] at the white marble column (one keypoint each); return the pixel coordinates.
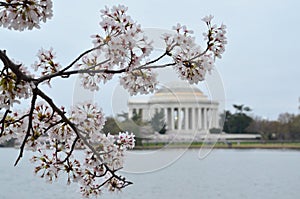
(193, 118)
(209, 113)
(179, 118)
(199, 118)
(166, 115)
(204, 118)
(172, 119)
(186, 118)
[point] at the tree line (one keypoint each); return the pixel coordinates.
(286, 127)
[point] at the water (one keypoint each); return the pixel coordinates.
(223, 174)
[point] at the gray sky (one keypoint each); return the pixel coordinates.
(260, 67)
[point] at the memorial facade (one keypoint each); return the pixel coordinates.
(186, 109)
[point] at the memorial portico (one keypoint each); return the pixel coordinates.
(186, 109)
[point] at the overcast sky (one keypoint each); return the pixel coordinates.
(260, 67)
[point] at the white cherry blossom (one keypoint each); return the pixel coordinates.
(46, 62)
(24, 14)
(139, 81)
(89, 119)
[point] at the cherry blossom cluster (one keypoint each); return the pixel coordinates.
(94, 171)
(46, 62)
(139, 81)
(89, 119)
(112, 152)
(13, 90)
(24, 14)
(90, 63)
(126, 140)
(17, 126)
(124, 47)
(192, 62)
(216, 39)
(12, 127)
(124, 44)
(55, 141)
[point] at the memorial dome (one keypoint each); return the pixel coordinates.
(178, 91)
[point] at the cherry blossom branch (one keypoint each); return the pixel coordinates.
(2, 122)
(67, 121)
(19, 119)
(62, 72)
(107, 71)
(37, 92)
(2, 3)
(69, 153)
(157, 59)
(90, 70)
(80, 56)
(14, 67)
(113, 175)
(52, 125)
(29, 128)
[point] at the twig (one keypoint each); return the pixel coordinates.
(33, 100)
(62, 72)
(14, 67)
(3, 121)
(71, 151)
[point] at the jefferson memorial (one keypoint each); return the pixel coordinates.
(186, 109)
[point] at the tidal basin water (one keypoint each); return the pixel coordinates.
(234, 174)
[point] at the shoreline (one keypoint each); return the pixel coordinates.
(218, 145)
(279, 146)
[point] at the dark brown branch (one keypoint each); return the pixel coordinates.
(8, 4)
(106, 181)
(62, 72)
(14, 67)
(18, 120)
(71, 151)
(65, 73)
(208, 45)
(11, 4)
(157, 59)
(125, 183)
(80, 56)
(3, 121)
(30, 117)
(99, 64)
(52, 125)
(158, 66)
(108, 71)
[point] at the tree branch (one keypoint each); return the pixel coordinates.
(67, 121)
(157, 59)
(3, 121)
(30, 117)
(71, 151)
(62, 72)
(14, 67)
